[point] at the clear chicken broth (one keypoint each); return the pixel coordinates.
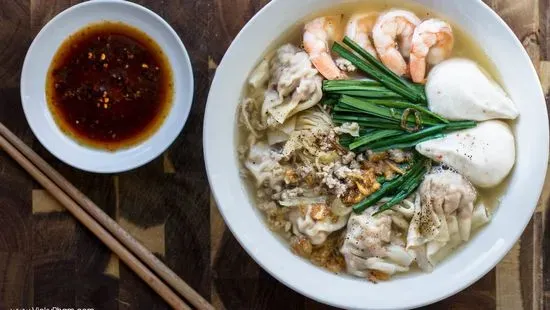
(465, 46)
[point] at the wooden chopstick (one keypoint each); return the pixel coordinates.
(135, 264)
(27, 158)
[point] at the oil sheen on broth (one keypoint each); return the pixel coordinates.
(465, 46)
(109, 86)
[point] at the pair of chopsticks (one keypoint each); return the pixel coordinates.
(128, 249)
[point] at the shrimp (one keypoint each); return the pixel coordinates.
(432, 43)
(317, 34)
(359, 29)
(394, 29)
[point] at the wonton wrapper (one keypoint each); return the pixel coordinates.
(264, 165)
(444, 217)
(316, 231)
(370, 244)
(295, 85)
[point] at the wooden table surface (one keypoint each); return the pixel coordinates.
(48, 259)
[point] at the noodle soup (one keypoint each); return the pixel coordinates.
(361, 170)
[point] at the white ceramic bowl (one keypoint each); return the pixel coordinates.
(465, 266)
(37, 62)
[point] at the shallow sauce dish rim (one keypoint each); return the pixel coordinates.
(250, 241)
(40, 118)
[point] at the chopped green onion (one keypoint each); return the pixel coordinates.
(455, 126)
(388, 187)
(329, 101)
(370, 93)
(371, 137)
(432, 131)
(359, 88)
(407, 189)
(377, 74)
(418, 92)
(407, 145)
(381, 111)
(407, 105)
(404, 122)
(329, 85)
(362, 118)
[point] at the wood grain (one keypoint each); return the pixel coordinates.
(15, 30)
(544, 11)
(480, 295)
(46, 258)
(508, 289)
(16, 279)
(544, 73)
(524, 18)
(519, 275)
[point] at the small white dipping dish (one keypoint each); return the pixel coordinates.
(462, 268)
(40, 55)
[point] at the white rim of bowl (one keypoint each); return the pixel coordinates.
(470, 279)
(155, 153)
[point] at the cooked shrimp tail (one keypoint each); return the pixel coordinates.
(392, 36)
(432, 43)
(318, 34)
(359, 29)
